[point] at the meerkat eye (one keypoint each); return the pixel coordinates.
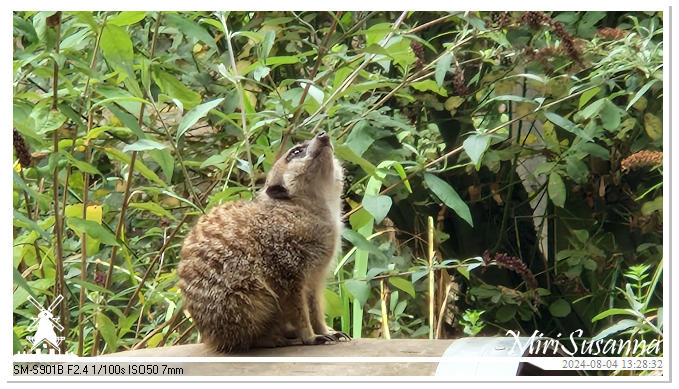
(296, 152)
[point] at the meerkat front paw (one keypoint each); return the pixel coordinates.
(339, 336)
(320, 339)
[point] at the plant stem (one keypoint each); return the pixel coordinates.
(430, 256)
(385, 313)
(83, 246)
(241, 95)
(60, 286)
(429, 24)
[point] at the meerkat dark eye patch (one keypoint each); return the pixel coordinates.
(278, 192)
(296, 152)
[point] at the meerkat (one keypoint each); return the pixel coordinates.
(252, 272)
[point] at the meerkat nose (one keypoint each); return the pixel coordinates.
(322, 136)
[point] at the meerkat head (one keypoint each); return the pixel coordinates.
(307, 172)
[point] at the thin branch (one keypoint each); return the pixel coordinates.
(184, 334)
(241, 93)
(429, 24)
(83, 245)
(60, 286)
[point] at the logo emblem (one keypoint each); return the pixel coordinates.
(44, 326)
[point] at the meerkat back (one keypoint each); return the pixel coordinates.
(250, 270)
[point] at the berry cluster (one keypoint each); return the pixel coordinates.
(419, 53)
(459, 83)
(535, 19)
(641, 159)
(499, 19)
(515, 264)
(21, 149)
(611, 34)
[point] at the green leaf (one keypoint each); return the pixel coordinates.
(378, 206)
(94, 230)
(194, 115)
(505, 313)
(587, 96)
(576, 169)
(641, 93)
(260, 72)
(116, 45)
(108, 331)
(144, 144)
(442, 67)
(653, 126)
(282, 60)
(333, 304)
(174, 88)
(42, 198)
(475, 145)
(345, 153)
(594, 149)
(138, 165)
(429, 85)
(128, 120)
(556, 189)
(450, 198)
(419, 273)
(614, 311)
(117, 48)
(519, 99)
(255, 36)
(560, 308)
(615, 328)
(126, 18)
(154, 208)
(20, 217)
(362, 243)
(610, 116)
(403, 284)
(402, 174)
(359, 290)
(20, 281)
(651, 206)
(88, 285)
(165, 161)
(360, 138)
(566, 125)
(267, 44)
(155, 340)
(81, 165)
(46, 120)
(189, 28)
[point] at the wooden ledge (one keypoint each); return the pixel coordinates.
(353, 348)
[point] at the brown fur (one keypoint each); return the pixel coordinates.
(252, 271)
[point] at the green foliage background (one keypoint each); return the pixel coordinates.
(512, 134)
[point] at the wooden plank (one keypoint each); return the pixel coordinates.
(354, 348)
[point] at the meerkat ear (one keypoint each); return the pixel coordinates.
(278, 192)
